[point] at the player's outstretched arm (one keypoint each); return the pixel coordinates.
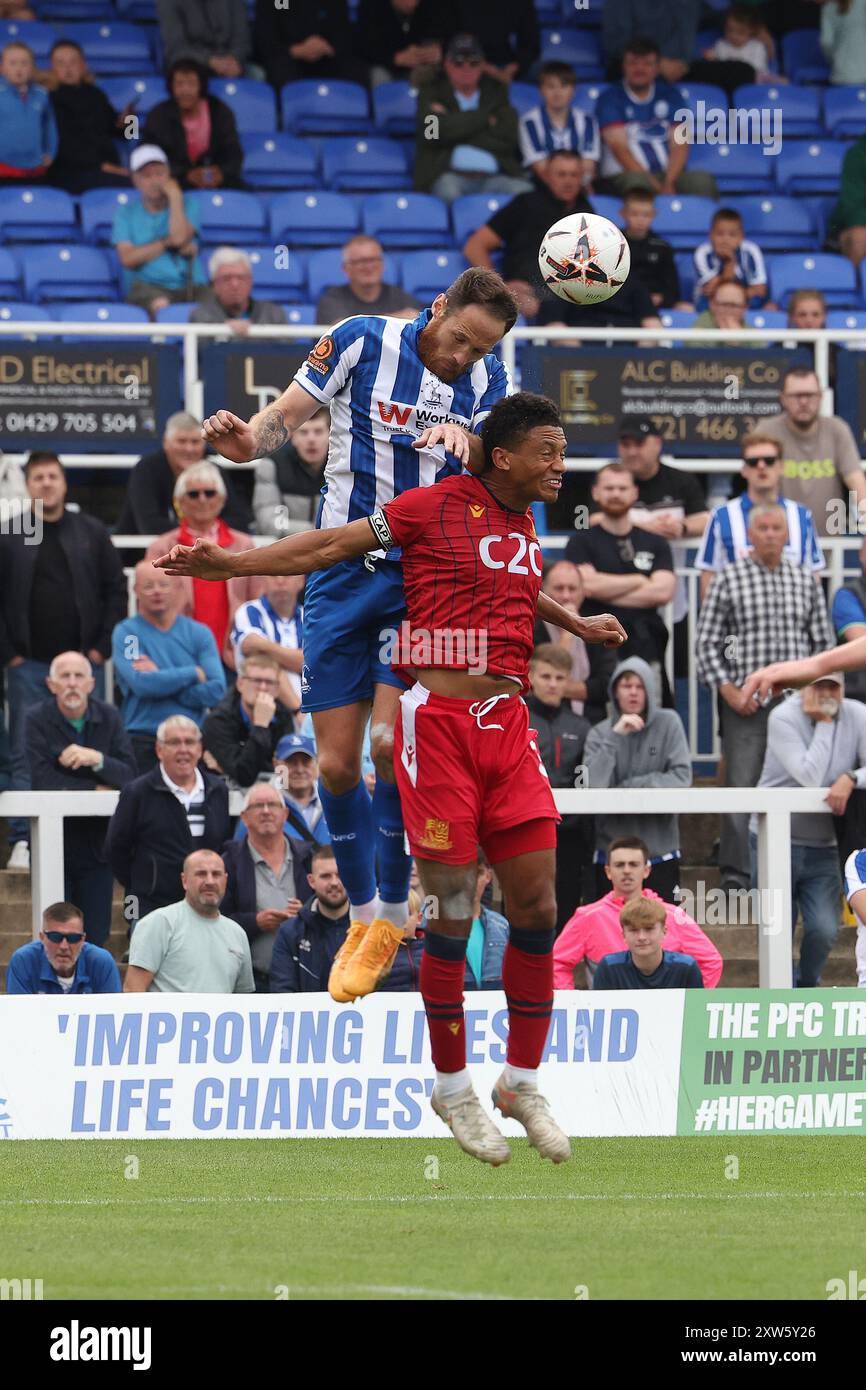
(791, 675)
(301, 554)
(603, 628)
(241, 441)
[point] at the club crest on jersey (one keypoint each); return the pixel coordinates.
(477, 510)
(319, 358)
(437, 835)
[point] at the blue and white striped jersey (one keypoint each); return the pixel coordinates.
(647, 124)
(539, 137)
(748, 258)
(855, 873)
(726, 537)
(381, 396)
(259, 616)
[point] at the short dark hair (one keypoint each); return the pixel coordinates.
(38, 456)
(564, 71)
(62, 912)
(639, 195)
(726, 215)
(485, 288)
(511, 420)
(553, 654)
(188, 65)
(642, 48)
(564, 154)
(66, 43)
(628, 842)
(325, 851)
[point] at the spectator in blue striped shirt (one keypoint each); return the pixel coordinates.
(726, 537)
(273, 625)
(728, 256)
(557, 124)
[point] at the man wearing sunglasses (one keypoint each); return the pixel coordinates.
(62, 961)
(726, 537)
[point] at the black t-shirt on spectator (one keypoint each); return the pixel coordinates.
(639, 553)
(625, 309)
(652, 262)
(86, 129)
(669, 488)
(54, 622)
(522, 224)
(382, 32)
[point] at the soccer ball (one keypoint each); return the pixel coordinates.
(584, 258)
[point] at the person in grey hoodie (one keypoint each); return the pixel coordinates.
(815, 739)
(640, 745)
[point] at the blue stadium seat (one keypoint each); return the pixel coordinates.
(427, 273)
(803, 58)
(713, 98)
(313, 219)
(112, 47)
(364, 162)
(137, 9)
(325, 108)
(406, 219)
(16, 311)
(586, 95)
(523, 96)
(253, 103)
(778, 223)
(174, 313)
(300, 313)
(145, 90)
(608, 206)
(76, 10)
(683, 221)
(97, 207)
(705, 38)
(37, 36)
(68, 272)
(279, 161)
(686, 270)
(846, 318)
(579, 47)
(89, 312)
(229, 217)
(325, 268)
(799, 107)
(810, 166)
(37, 214)
(394, 108)
(677, 318)
(834, 276)
(10, 276)
(736, 168)
(278, 276)
(473, 210)
(845, 112)
(766, 318)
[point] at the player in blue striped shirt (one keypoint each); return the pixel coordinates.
(557, 124)
(726, 537)
(728, 256)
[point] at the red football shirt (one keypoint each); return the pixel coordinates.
(472, 575)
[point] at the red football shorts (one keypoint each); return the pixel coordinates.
(467, 770)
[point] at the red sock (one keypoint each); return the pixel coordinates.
(443, 968)
(527, 977)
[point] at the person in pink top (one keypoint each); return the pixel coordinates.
(594, 931)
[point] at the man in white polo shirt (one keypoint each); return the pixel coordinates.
(190, 947)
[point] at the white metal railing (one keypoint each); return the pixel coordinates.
(772, 805)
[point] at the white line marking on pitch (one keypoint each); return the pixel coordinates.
(397, 1199)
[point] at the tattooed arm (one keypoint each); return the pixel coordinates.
(241, 441)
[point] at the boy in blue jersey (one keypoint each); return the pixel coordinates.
(407, 401)
(727, 256)
(645, 965)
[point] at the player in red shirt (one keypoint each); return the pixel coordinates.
(466, 761)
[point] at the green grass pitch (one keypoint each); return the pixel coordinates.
(408, 1219)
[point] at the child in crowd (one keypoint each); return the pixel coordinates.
(728, 256)
(746, 40)
(652, 258)
(28, 132)
(557, 124)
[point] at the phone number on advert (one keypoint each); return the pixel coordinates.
(67, 422)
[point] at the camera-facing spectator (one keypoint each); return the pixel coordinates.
(645, 964)
(231, 301)
(557, 124)
(241, 734)
(313, 40)
(62, 961)
(727, 257)
(189, 947)
(154, 236)
(366, 292)
(267, 875)
(518, 228)
(744, 40)
(87, 125)
(28, 130)
(726, 310)
(594, 930)
(652, 258)
(164, 663)
(296, 768)
(592, 664)
(288, 487)
(807, 309)
(199, 497)
(273, 625)
(640, 745)
(670, 502)
(163, 815)
(214, 33)
(148, 506)
(75, 742)
(476, 145)
(307, 942)
(402, 39)
(198, 132)
(64, 593)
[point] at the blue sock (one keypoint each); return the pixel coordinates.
(350, 826)
(393, 863)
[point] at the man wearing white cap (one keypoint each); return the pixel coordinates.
(817, 738)
(155, 236)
